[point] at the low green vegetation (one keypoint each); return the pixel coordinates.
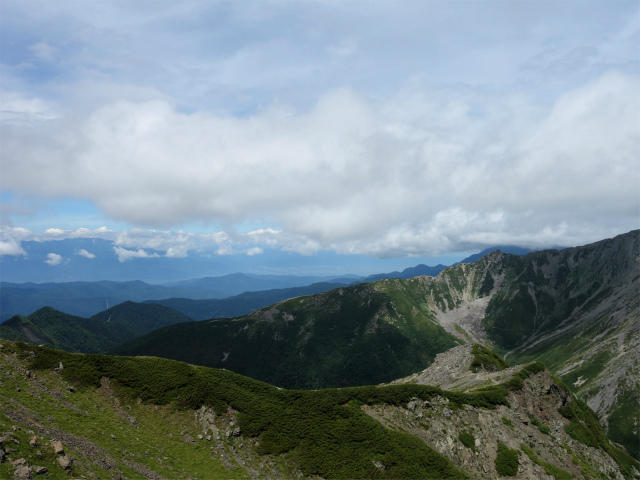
(541, 426)
(112, 443)
(324, 430)
(467, 439)
(624, 414)
(510, 316)
(485, 359)
(552, 470)
(585, 428)
(506, 461)
(508, 422)
(517, 381)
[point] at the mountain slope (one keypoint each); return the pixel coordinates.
(348, 336)
(583, 321)
(577, 310)
(97, 334)
(155, 418)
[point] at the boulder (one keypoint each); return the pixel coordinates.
(57, 447)
(65, 462)
(22, 472)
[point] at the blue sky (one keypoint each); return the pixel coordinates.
(405, 129)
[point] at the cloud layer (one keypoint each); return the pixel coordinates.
(419, 146)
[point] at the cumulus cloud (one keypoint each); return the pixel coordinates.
(527, 135)
(254, 251)
(11, 238)
(53, 259)
(124, 254)
(357, 175)
(84, 253)
(11, 247)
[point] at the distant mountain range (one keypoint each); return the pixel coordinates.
(90, 260)
(88, 298)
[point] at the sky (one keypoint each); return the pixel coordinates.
(393, 130)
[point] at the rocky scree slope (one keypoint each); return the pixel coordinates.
(96, 416)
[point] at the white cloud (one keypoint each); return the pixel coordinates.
(53, 259)
(180, 251)
(225, 250)
(355, 174)
(447, 134)
(124, 254)
(62, 233)
(10, 247)
(15, 108)
(84, 253)
(10, 239)
(254, 251)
